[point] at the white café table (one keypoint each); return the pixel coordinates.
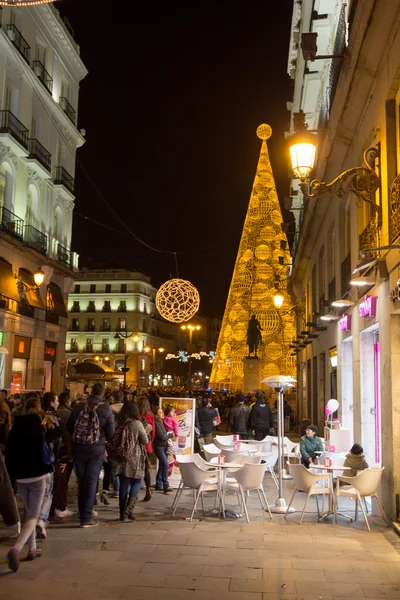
(222, 483)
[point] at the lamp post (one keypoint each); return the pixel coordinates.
(361, 181)
(123, 334)
(190, 328)
(153, 350)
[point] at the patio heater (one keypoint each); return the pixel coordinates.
(280, 383)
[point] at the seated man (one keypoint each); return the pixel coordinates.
(310, 446)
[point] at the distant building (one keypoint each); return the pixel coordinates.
(40, 71)
(105, 303)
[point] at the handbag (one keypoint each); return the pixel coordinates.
(47, 454)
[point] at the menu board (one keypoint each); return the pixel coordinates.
(183, 443)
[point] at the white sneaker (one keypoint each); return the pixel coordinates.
(63, 513)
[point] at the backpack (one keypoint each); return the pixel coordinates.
(120, 448)
(87, 426)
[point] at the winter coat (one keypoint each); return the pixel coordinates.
(135, 465)
(150, 420)
(261, 416)
(107, 426)
(205, 419)
(356, 462)
(8, 506)
(161, 438)
(24, 452)
(5, 421)
(308, 446)
(63, 413)
(239, 418)
(171, 424)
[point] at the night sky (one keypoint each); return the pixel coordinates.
(170, 107)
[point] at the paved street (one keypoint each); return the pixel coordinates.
(157, 556)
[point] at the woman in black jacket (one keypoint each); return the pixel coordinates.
(160, 448)
(24, 460)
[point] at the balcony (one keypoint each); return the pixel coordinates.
(122, 308)
(369, 238)
(25, 309)
(10, 125)
(11, 224)
(64, 178)
(64, 256)
(17, 39)
(67, 108)
(43, 75)
(105, 327)
(106, 308)
(39, 153)
(19, 307)
(73, 348)
(74, 328)
(75, 308)
(90, 328)
(51, 317)
(35, 239)
(88, 349)
(105, 348)
(91, 308)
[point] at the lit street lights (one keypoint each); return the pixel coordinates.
(123, 334)
(190, 328)
(153, 350)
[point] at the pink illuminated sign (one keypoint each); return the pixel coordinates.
(345, 323)
(368, 306)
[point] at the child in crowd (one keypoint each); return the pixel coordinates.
(355, 460)
(170, 420)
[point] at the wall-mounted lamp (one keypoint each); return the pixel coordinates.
(333, 357)
(362, 282)
(38, 278)
(342, 303)
(329, 318)
(278, 299)
(309, 47)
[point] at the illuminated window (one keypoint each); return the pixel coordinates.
(21, 347)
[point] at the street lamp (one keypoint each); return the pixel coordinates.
(153, 350)
(123, 334)
(361, 181)
(190, 328)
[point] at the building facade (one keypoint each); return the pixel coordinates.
(351, 103)
(104, 304)
(40, 71)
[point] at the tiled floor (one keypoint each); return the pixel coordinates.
(209, 559)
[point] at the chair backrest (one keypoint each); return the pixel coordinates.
(231, 455)
(211, 450)
(272, 459)
(367, 481)
(195, 458)
(223, 446)
(289, 445)
(192, 475)
(225, 440)
(302, 477)
(250, 476)
(242, 459)
(265, 446)
(251, 448)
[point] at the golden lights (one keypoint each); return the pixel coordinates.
(177, 300)
(302, 154)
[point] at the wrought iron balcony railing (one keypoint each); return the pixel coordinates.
(16, 37)
(64, 255)
(11, 224)
(64, 178)
(75, 328)
(39, 152)
(10, 124)
(51, 317)
(67, 108)
(35, 239)
(90, 328)
(75, 308)
(105, 327)
(43, 75)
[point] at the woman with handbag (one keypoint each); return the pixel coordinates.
(145, 413)
(27, 460)
(131, 468)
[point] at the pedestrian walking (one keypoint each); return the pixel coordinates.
(261, 418)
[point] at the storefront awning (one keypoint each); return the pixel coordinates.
(89, 370)
(8, 284)
(58, 300)
(32, 295)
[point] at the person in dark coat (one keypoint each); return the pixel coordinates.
(25, 464)
(160, 448)
(239, 417)
(261, 418)
(205, 420)
(8, 505)
(89, 457)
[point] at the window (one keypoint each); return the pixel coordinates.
(77, 288)
(123, 288)
(75, 325)
(74, 344)
(108, 288)
(106, 325)
(122, 306)
(76, 307)
(89, 345)
(122, 323)
(90, 325)
(92, 288)
(104, 345)
(145, 308)
(107, 306)
(91, 306)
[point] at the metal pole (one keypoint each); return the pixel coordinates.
(280, 506)
(190, 359)
(154, 364)
(126, 359)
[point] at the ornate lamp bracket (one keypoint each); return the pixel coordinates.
(361, 181)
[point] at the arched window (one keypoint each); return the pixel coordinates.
(32, 208)
(6, 186)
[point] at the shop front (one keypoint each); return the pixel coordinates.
(21, 355)
(50, 354)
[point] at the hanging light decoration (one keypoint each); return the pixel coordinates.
(24, 2)
(177, 300)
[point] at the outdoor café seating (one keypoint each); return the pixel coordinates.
(308, 482)
(249, 477)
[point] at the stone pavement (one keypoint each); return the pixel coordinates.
(209, 559)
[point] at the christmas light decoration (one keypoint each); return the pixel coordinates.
(24, 2)
(183, 356)
(177, 300)
(260, 272)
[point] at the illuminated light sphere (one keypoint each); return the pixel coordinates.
(177, 300)
(24, 2)
(264, 131)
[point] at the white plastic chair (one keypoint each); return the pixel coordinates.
(270, 461)
(249, 477)
(231, 455)
(210, 451)
(195, 478)
(361, 486)
(225, 440)
(200, 462)
(308, 482)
